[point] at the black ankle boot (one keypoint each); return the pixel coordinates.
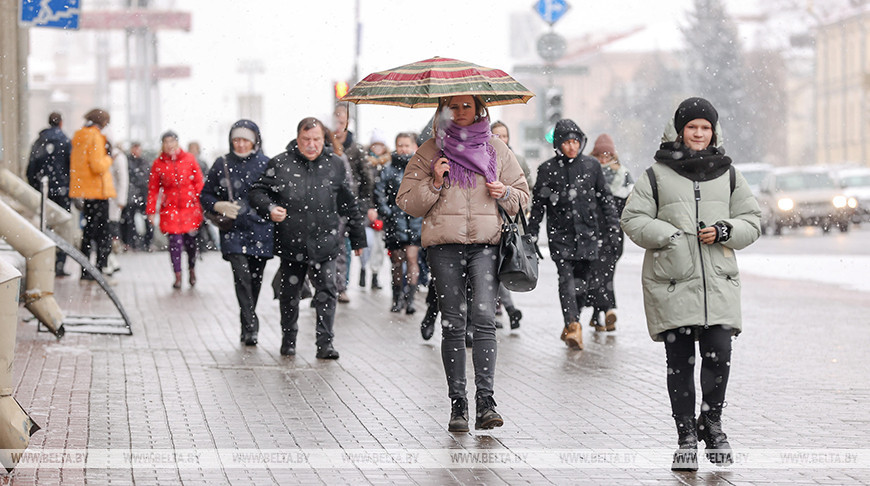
(397, 299)
(375, 284)
(718, 450)
(427, 327)
(458, 415)
(251, 338)
(686, 456)
(515, 315)
(486, 416)
(288, 344)
(409, 299)
(362, 277)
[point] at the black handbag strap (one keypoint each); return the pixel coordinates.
(519, 220)
(229, 181)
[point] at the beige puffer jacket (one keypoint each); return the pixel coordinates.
(455, 214)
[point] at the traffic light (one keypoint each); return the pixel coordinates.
(341, 88)
(553, 104)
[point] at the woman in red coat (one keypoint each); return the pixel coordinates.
(178, 174)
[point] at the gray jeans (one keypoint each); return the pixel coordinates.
(453, 266)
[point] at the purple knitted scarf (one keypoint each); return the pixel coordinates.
(469, 152)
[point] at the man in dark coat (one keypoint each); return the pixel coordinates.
(305, 191)
(49, 157)
(139, 171)
(571, 189)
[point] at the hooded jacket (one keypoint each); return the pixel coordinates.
(315, 194)
(50, 156)
(181, 180)
(685, 282)
(574, 195)
(89, 165)
(251, 234)
(400, 228)
(457, 215)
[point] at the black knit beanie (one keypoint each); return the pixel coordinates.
(692, 109)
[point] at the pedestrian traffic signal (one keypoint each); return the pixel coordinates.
(341, 88)
(553, 104)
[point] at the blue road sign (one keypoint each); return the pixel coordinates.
(62, 14)
(551, 10)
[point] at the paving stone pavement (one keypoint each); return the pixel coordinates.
(211, 411)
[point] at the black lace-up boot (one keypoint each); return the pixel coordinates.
(686, 456)
(458, 415)
(718, 450)
(487, 417)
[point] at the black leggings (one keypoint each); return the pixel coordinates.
(715, 346)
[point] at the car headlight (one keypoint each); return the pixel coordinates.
(785, 204)
(852, 203)
(839, 202)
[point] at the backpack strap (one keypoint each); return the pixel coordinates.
(650, 173)
(733, 174)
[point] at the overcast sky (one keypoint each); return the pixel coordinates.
(307, 45)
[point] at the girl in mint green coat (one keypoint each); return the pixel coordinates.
(690, 211)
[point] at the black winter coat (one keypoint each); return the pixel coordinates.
(571, 191)
(50, 157)
(251, 234)
(315, 194)
(139, 171)
(400, 228)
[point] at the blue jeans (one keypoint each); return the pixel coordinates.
(453, 267)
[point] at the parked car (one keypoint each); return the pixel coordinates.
(856, 185)
(754, 173)
(794, 197)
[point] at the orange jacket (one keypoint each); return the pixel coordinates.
(89, 163)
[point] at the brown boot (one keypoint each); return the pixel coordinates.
(177, 284)
(192, 277)
(564, 333)
(595, 323)
(574, 336)
(610, 320)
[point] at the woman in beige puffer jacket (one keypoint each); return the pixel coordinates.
(456, 181)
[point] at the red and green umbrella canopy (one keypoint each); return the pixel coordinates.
(420, 84)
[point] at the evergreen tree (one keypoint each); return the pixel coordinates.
(640, 109)
(715, 69)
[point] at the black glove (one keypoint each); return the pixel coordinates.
(108, 149)
(723, 231)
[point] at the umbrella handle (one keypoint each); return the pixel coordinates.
(446, 174)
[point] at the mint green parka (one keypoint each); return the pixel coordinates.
(685, 282)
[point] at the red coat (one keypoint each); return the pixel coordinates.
(181, 181)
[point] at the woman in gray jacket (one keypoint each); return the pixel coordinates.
(455, 182)
(690, 211)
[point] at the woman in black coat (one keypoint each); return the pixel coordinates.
(401, 230)
(249, 243)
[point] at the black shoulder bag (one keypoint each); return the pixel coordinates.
(518, 253)
(222, 222)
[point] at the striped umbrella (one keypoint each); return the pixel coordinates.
(420, 84)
